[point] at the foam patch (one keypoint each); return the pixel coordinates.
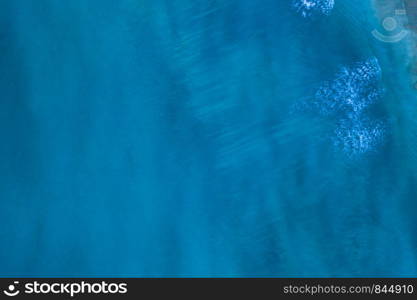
(353, 89)
(308, 8)
(357, 135)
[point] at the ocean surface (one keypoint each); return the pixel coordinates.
(205, 138)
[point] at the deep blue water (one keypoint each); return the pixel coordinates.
(204, 138)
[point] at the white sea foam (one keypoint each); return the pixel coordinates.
(354, 88)
(358, 135)
(345, 99)
(309, 8)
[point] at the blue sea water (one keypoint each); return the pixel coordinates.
(204, 138)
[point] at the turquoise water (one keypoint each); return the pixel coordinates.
(204, 138)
